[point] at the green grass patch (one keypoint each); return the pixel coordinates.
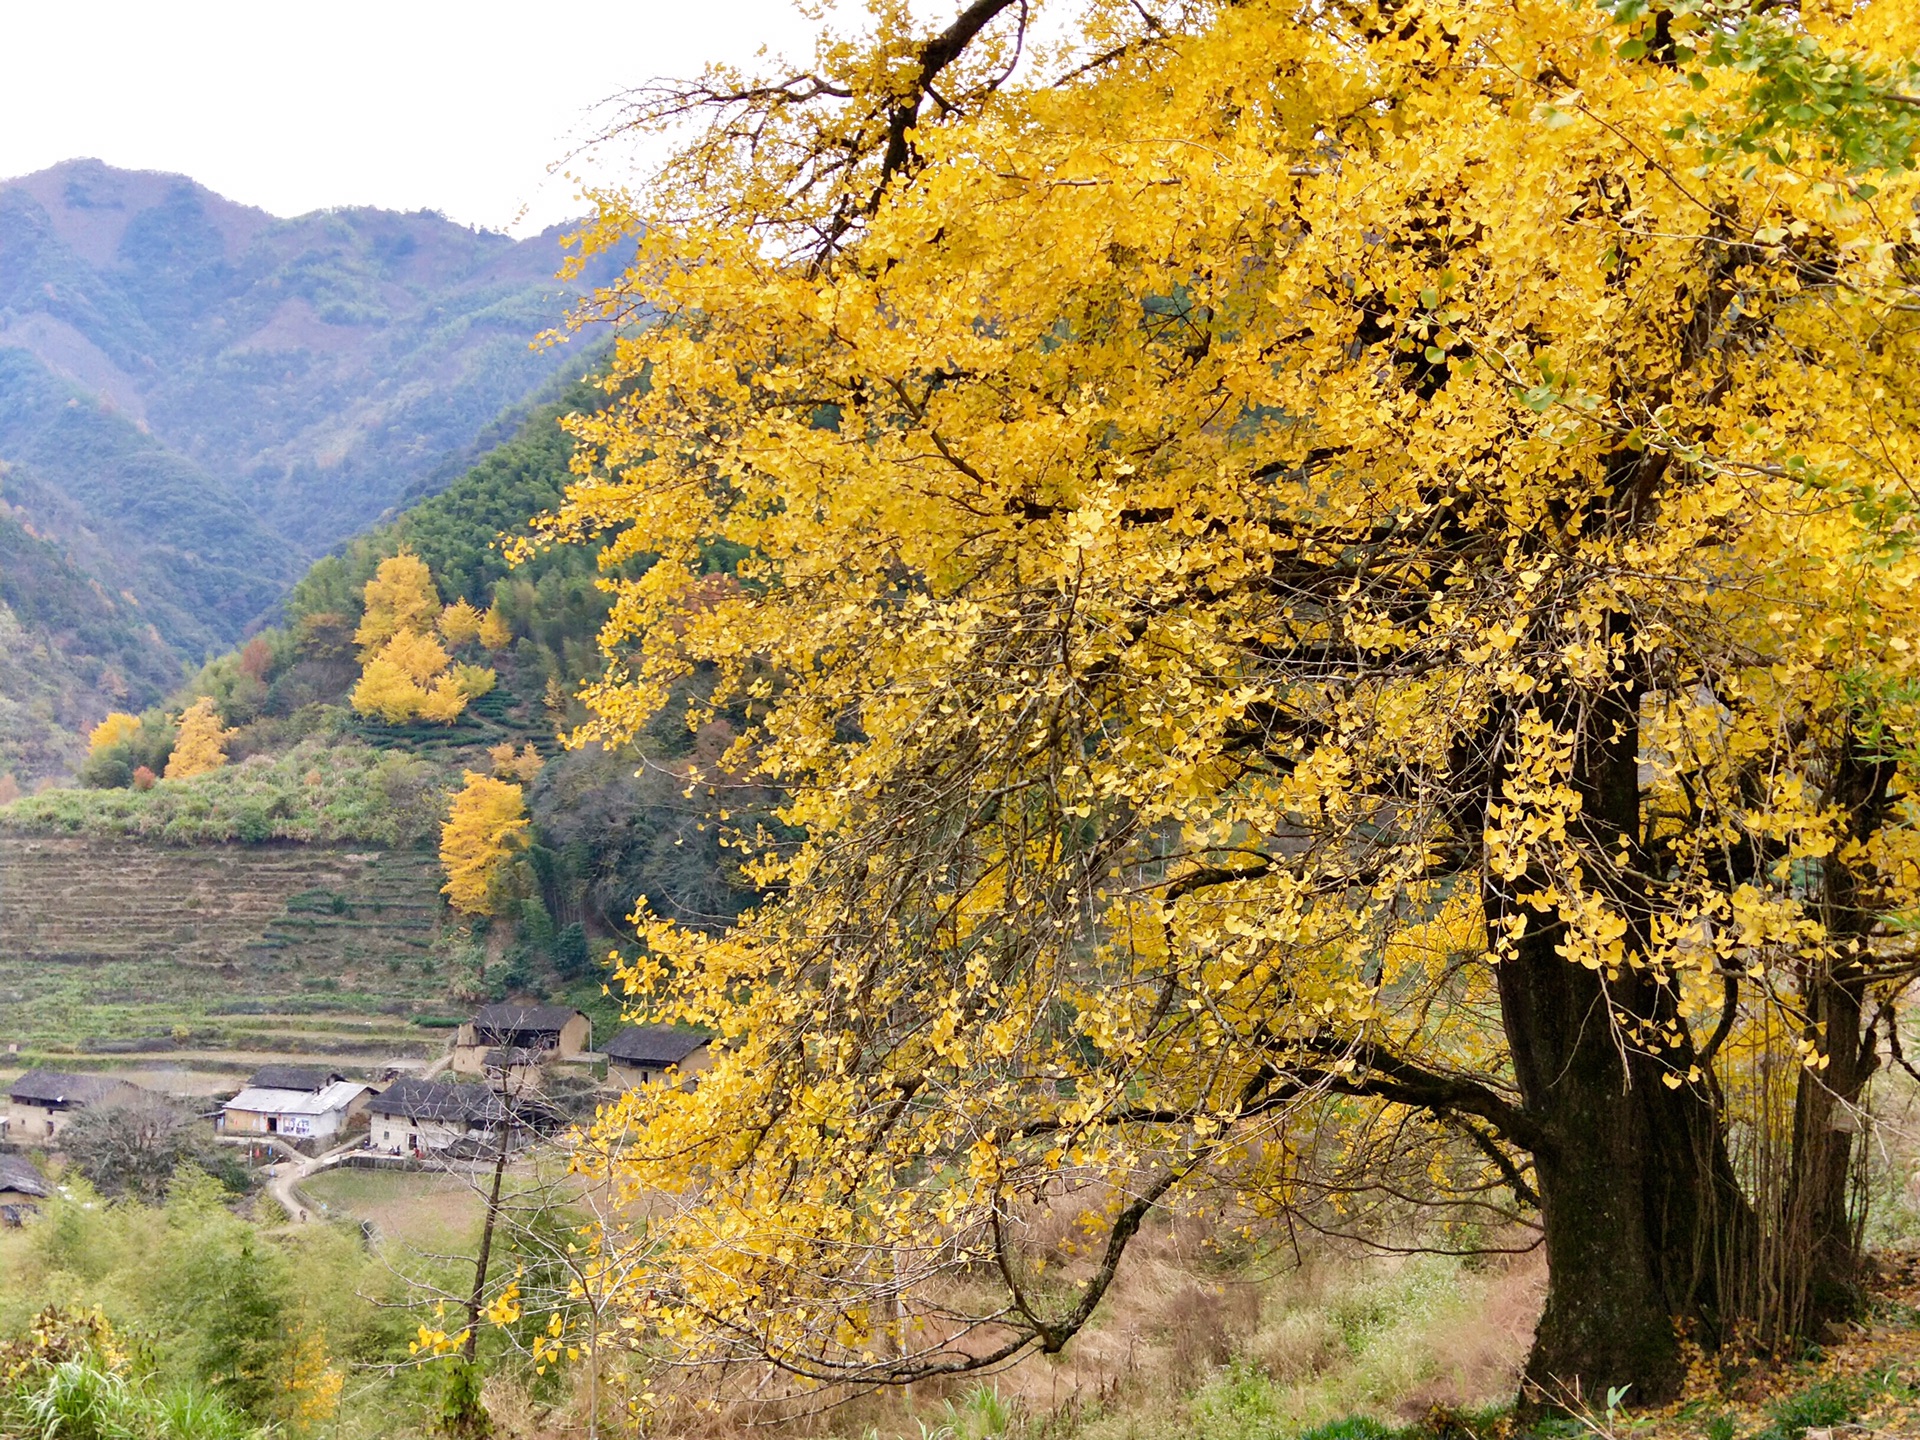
(320, 790)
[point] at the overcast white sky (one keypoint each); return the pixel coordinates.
(407, 104)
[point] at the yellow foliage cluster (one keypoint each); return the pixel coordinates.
(486, 828)
(1274, 550)
(401, 596)
(311, 1384)
(116, 728)
(524, 766)
(495, 633)
(201, 744)
(405, 672)
(460, 624)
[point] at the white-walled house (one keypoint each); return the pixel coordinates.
(297, 1114)
(422, 1117)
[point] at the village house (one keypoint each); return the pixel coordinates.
(425, 1117)
(310, 1078)
(540, 1032)
(511, 1070)
(318, 1114)
(22, 1188)
(647, 1054)
(42, 1102)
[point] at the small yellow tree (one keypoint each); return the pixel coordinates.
(401, 596)
(202, 744)
(495, 633)
(444, 699)
(405, 671)
(523, 766)
(387, 691)
(474, 680)
(416, 654)
(487, 827)
(115, 729)
(460, 624)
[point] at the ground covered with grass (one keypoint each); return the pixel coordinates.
(330, 789)
(1349, 1347)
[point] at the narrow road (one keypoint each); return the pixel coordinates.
(294, 1167)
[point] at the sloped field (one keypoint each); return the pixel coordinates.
(123, 946)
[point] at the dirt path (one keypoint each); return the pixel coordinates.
(284, 1186)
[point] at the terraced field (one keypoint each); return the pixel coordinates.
(125, 948)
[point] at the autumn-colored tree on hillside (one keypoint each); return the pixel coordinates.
(486, 828)
(460, 623)
(401, 596)
(405, 671)
(495, 633)
(202, 743)
(523, 765)
(1310, 570)
(256, 659)
(116, 729)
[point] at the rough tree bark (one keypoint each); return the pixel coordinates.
(1643, 1217)
(1821, 1255)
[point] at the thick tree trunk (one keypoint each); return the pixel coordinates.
(1820, 1253)
(1606, 1321)
(1645, 1222)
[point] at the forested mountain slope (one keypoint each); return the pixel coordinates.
(197, 398)
(305, 764)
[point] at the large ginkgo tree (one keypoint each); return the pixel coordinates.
(1305, 570)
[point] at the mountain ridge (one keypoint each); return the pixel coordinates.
(198, 398)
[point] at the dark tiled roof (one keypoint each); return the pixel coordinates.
(50, 1087)
(412, 1098)
(17, 1175)
(293, 1077)
(500, 1021)
(654, 1045)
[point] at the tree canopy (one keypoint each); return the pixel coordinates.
(486, 828)
(1307, 570)
(406, 672)
(202, 743)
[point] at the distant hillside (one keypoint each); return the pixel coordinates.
(198, 398)
(608, 826)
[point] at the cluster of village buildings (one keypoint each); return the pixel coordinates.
(501, 1060)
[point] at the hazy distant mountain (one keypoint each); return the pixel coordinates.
(197, 397)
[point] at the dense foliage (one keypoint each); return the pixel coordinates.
(185, 1321)
(1329, 588)
(318, 789)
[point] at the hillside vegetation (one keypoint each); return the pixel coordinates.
(304, 767)
(196, 398)
(122, 948)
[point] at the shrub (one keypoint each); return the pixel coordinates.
(359, 794)
(81, 1401)
(1352, 1427)
(571, 957)
(1818, 1407)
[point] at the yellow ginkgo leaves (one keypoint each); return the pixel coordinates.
(406, 673)
(1312, 593)
(486, 829)
(202, 743)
